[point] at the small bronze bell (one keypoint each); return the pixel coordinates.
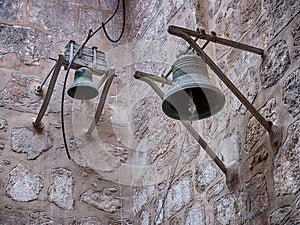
(192, 96)
(83, 87)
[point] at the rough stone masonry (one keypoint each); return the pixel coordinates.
(139, 166)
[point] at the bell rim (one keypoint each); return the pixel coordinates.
(93, 92)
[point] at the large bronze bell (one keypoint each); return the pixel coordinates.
(83, 87)
(192, 96)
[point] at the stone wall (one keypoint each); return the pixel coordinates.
(139, 166)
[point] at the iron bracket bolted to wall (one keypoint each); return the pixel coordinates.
(274, 131)
(231, 171)
(89, 58)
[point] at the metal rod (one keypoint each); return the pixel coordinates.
(181, 33)
(37, 122)
(148, 78)
(140, 75)
(168, 73)
(39, 88)
(205, 44)
(71, 51)
(101, 104)
(205, 146)
(94, 58)
(214, 38)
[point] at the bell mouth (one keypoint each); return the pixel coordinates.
(193, 103)
(84, 92)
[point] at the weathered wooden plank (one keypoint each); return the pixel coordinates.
(86, 58)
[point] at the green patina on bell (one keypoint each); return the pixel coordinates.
(192, 96)
(83, 87)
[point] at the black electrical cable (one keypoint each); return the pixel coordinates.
(90, 35)
(123, 26)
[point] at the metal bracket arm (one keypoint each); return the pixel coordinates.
(110, 77)
(215, 39)
(37, 123)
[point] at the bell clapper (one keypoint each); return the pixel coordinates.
(191, 106)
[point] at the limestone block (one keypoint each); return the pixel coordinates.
(142, 18)
(218, 123)
(278, 215)
(295, 217)
(85, 152)
(102, 200)
(23, 185)
(259, 194)
(248, 86)
(215, 190)
(230, 147)
(259, 155)
(145, 218)
(87, 3)
(225, 210)
(270, 110)
(25, 140)
(253, 133)
(61, 189)
(195, 215)
(40, 218)
(254, 130)
(296, 39)
(18, 94)
(51, 17)
(121, 222)
(190, 149)
(213, 7)
(107, 5)
(177, 220)
(163, 134)
(157, 26)
(75, 146)
(92, 19)
(275, 64)
(205, 174)
(253, 198)
(227, 24)
(279, 14)
(11, 10)
(29, 44)
(141, 197)
(5, 75)
(291, 92)
(3, 125)
(86, 221)
(179, 195)
(141, 114)
(287, 163)
(12, 217)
